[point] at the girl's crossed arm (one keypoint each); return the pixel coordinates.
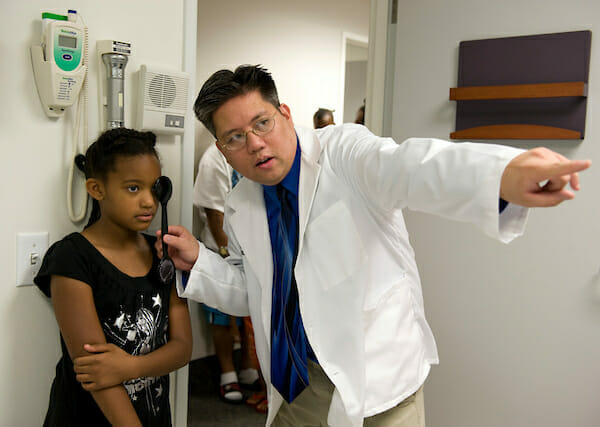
(109, 365)
(78, 321)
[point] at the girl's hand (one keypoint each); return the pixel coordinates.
(107, 367)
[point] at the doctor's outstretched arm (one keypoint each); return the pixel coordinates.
(539, 177)
(183, 247)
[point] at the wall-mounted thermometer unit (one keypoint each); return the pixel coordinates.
(112, 59)
(58, 63)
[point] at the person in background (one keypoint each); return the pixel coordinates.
(319, 252)
(323, 117)
(122, 330)
(214, 180)
(360, 116)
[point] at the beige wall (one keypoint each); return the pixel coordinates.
(516, 325)
(299, 42)
(33, 180)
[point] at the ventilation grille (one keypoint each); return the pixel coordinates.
(165, 91)
(163, 100)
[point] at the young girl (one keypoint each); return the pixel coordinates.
(106, 291)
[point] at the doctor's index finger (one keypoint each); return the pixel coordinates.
(177, 230)
(178, 237)
(568, 167)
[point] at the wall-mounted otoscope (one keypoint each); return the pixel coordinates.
(114, 56)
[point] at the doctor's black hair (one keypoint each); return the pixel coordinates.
(224, 85)
(101, 156)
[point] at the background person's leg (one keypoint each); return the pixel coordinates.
(229, 388)
(248, 376)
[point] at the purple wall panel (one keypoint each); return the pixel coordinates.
(544, 58)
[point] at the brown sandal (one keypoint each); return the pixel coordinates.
(256, 398)
(262, 406)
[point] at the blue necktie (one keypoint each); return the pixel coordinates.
(235, 177)
(289, 373)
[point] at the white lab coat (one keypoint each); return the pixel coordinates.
(358, 284)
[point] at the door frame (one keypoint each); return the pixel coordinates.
(381, 60)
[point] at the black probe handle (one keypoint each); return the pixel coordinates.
(164, 228)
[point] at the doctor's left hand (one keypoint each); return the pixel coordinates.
(539, 178)
(107, 366)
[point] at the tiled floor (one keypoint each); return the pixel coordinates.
(204, 406)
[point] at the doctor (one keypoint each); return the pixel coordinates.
(320, 256)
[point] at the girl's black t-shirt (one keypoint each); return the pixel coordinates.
(133, 312)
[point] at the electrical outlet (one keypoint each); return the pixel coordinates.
(31, 248)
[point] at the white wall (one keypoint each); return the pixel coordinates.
(299, 42)
(36, 153)
(516, 325)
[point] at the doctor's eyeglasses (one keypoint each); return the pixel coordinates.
(237, 140)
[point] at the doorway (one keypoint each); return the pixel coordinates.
(354, 80)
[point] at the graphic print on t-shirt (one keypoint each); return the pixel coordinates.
(140, 333)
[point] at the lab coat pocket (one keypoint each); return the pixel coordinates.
(333, 247)
(393, 347)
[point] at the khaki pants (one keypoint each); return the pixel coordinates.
(312, 406)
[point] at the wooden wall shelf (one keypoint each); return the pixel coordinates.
(541, 90)
(516, 132)
(524, 87)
